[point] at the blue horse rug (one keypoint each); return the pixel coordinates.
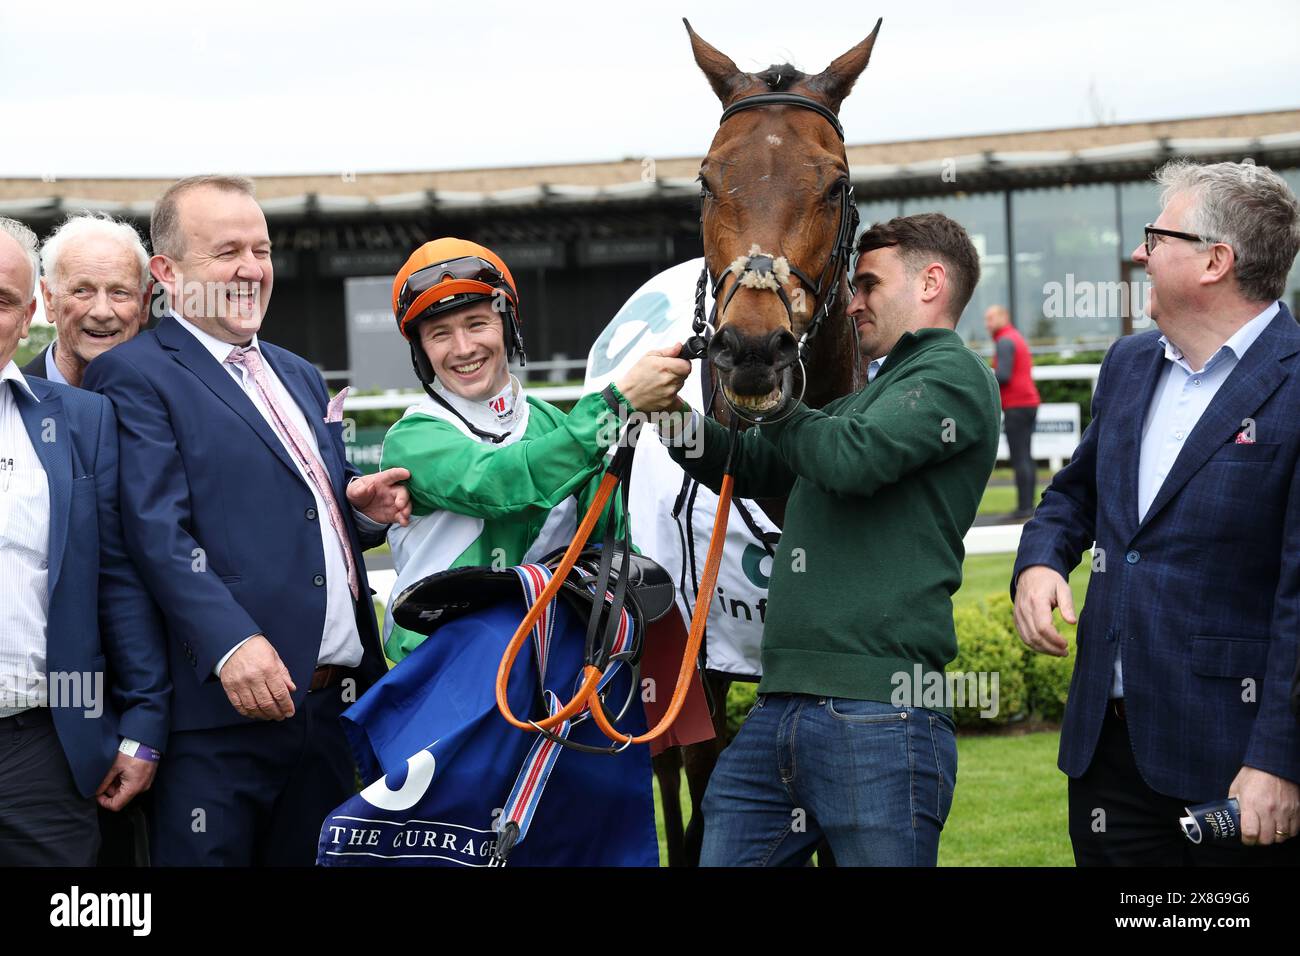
(445, 770)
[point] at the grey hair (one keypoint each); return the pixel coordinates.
(98, 225)
(165, 225)
(27, 241)
(1249, 207)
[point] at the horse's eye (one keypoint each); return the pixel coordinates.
(705, 191)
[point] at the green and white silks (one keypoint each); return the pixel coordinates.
(474, 502)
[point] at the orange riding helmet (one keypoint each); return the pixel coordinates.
(447, 274)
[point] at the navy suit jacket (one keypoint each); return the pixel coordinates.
(102, 628)
(218, 518)
(1201, 599)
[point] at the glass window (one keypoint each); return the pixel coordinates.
(984, 217)
(877, 210)
(1067, 260)
(1292, 295)
(1139, 204)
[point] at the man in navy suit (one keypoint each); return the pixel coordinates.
(1186, 485)
(83, 681)
(248, 526)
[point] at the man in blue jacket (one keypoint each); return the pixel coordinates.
(248, 524)
(83, 681)
(1186, 486)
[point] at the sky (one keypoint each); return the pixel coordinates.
(135, 89)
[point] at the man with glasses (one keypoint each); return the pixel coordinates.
(1185, 485)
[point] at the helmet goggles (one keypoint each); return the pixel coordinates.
(465, 275)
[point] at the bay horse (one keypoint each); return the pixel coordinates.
(774, 192)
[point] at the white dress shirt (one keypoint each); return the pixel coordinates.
(24, 556)
(340, 641)
(1181, 397)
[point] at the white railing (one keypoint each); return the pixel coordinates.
(395, 398)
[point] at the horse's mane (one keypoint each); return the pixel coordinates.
(779, 77)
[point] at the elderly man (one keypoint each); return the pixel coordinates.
(96, 290)
(83, 680)
(1186, 486)
(240, 514)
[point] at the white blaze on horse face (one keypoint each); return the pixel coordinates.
(773, 140)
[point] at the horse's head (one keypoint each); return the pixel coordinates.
(775, 198)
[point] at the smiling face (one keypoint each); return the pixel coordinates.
(95, 301)
(17, 304)
(884, 301)
(467, 350)
(223, 281)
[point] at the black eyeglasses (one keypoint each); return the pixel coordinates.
(1152, 232)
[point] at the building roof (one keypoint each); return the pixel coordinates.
(876, 168)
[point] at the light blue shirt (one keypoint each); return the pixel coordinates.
(1181, 397)
(874, 366)
(52, 372)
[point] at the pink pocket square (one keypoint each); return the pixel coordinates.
(334, 412)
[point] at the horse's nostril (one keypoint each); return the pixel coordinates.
(724, 346)
(783, 349)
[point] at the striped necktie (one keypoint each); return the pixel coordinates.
(251, 360)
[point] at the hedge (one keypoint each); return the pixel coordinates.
(1030, 685)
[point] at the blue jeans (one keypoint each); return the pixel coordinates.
(873, 779)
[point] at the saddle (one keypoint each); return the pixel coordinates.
(446, 595)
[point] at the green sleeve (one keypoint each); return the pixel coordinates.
(929, 413)
(759, 470)
(453, 472)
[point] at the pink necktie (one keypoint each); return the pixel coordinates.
(251, 360)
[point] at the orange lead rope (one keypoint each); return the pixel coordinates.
(698, 619)
(586, 695)
(590, 675)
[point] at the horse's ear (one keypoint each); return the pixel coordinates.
(722, 73)
(836, 81)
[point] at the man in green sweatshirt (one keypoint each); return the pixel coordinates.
(882, 487)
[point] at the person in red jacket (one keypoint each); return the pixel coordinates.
(1014, 367)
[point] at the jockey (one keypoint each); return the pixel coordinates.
(497, 478)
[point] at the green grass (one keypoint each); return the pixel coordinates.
(1009, 808)
(998, 500)
(986, 574)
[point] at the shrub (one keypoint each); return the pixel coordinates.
(740, 698)
(985, 646)
(1047, 678)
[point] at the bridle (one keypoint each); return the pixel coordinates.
(763, 266)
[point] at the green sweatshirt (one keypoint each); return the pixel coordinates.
(883, 486)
